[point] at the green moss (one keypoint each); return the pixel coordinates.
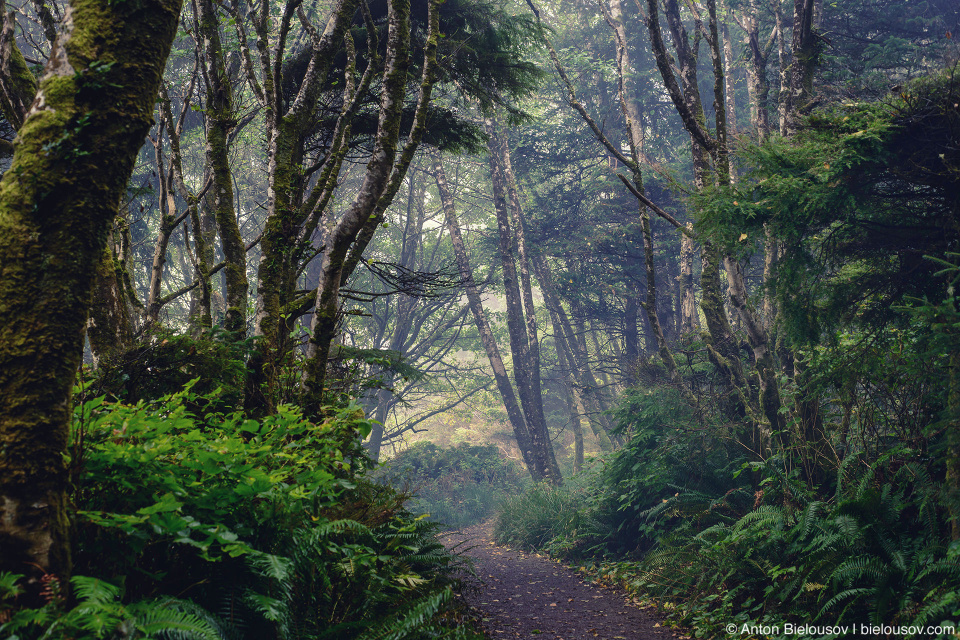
(57, 200)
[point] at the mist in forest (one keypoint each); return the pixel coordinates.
(667, 289)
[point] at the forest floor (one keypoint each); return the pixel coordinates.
(519, 595)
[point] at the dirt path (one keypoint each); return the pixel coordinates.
(531, 596)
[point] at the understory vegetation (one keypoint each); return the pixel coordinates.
(457, 486)
(682, 518)
(847, 515)
(193, 522)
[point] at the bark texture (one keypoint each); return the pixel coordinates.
(74, 155)
(17, 84)
(521, 326)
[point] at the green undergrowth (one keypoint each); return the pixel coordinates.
(679, 520)
(458, 486)
(201, 524)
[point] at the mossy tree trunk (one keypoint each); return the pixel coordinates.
(291, 218)
(219, 120)
(383, 176)
(17, 84)
(109, 329)
(74, 156)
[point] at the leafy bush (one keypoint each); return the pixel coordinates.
(164, 362)
(458, 486)
(678, 516)
(237, 528)
(871, 554)
(561, 520)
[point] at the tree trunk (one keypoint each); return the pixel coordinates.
(521, 316)
(568, 367)
(218, 121)
(805, 51)
(75, 154)
(515, 415)
(109, 329)
(689, 321)
(758, 86)
(17, 84)
(281, 245)
(524, 346)
(631, 339)
(380, 183)
(568, 343)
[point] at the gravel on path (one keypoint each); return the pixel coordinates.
(523, 595)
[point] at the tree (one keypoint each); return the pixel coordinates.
(521, 430)
(74, 155)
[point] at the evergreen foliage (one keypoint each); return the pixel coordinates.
(859, 199)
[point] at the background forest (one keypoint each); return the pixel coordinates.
(669, 286)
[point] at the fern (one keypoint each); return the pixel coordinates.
(844, 595)
(420, 614)
(100, 614)
(176, 619)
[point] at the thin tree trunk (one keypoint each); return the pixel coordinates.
(569, 343)
(218, 121)
(631, 339)
(17, 84)
(533, 462)
(569, 368)
(689, 320)
(803, 63)
(379, 180)
(783, 96)
(280, 245)
(524, 351)
(109, 329)
(729, 91)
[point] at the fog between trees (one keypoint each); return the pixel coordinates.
(533, 225)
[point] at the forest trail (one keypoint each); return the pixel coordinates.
(523, 595)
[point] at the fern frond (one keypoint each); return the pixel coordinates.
(859, 568)
(171, 619)
(94, 591)
(418, 616)
(844, 595)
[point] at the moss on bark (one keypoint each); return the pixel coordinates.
(74, 155)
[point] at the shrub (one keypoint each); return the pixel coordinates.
(241, 528)
(458, 486)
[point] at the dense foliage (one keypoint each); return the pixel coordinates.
(457, 486)
(194, 523)
(846, 519)
(712, 245)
